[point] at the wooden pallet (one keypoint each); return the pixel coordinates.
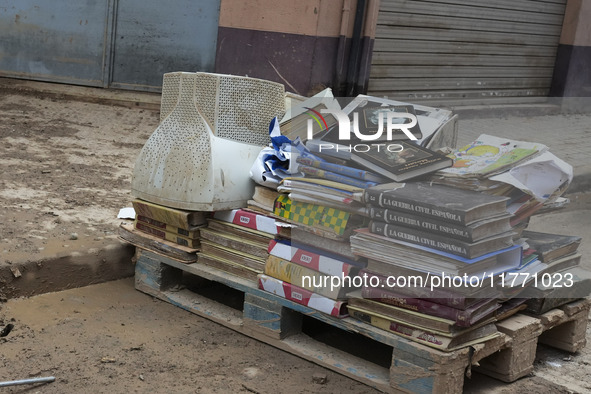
(412, 367)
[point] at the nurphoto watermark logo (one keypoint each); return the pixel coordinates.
(378, 125)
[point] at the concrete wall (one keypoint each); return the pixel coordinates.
(304, 44)
(572, 72)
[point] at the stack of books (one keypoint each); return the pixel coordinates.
(525, 172)
(562, 279)
(310, 276)
(236, 241)
(464, 223)
(434, 255)
(314, 266)
(170, 224)
(173, 232)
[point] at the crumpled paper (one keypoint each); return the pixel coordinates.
(279, 160)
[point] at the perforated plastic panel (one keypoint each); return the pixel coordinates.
(170, 93)
(199, 156)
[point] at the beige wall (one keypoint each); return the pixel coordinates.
(306, 17)
(576, 29)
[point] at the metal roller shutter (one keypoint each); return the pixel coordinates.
(460, 51)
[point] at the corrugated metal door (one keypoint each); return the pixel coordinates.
(112, 43)
(59, 41)
(460, 51)
(154, 37)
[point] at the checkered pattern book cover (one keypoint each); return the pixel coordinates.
(311, 214)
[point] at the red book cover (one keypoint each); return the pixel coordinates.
(303, 296)
(462, 318)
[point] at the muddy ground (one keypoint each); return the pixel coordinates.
(66, 170)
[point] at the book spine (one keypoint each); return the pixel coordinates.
(249, 220)
(393, 216)
(323, 221)
(314, 261)
(174, 217)
(418, 335)
(457, 248)
(167, 227)
(380, 199)
(302, 277)
(460, 317)
(331, 176)
(192, 243)
(339, 169)
(302, 296)
(437, 295)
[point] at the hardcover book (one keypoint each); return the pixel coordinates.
(129, 234)
(430, 338)
(322, 186)
(175, 217)
(558, 290)
(460, 317)
(172, 237)
(469, 250)
(407, 316)
(398, 255)
(332, 176)
(350, 172)
(239, 231)
(251, 220)
(302, 296)
(228, 266)
(339, 247)
(231, 241)
(237, 256)
(331, 220)
(265, 197)
(192, 232)
(369, 120)
(397, 164)
(306, 278)
(456, 297)
(313, 259)
(471, 233)
(438, 202)
(549, 247)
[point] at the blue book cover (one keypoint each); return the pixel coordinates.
(317, 172)
(340, 169)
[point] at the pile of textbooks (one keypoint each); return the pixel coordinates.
(429, 245)
(433, 255)
(165, 230)
(236, 241)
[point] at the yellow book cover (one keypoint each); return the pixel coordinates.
(172, 216)
(308, 279)
(179, 239)
(192, 233)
